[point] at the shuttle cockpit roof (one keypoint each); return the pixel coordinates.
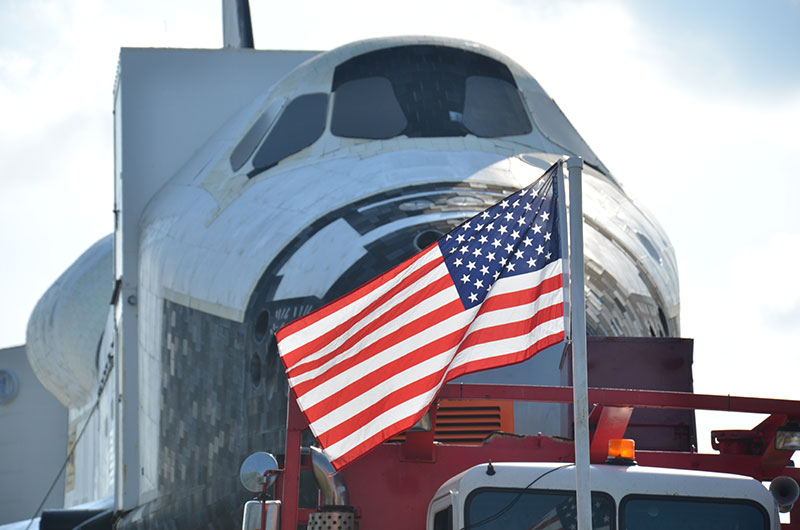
(403, 88)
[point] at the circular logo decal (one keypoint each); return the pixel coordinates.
(8, 386)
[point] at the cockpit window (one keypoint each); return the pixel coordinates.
(440, 91)
(367, 108)
(492, 108)
(300, 125)
(250, 140)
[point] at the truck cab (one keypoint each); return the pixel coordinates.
(510, 496)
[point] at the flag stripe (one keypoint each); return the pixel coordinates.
(418, 284)
(507, 345)
(389, 338)
(400, 339)
(486, 363)
(391, 348)
(425, 338)
(407, 370)
(430, 311)
(509, 308)
(356, 385)
(336, 427)
(506, 286)
(372, 386)
(516, 328)
(356, 339)
(403, 402)
(411, 284)
(529, 295)
(376, 286)
(349, 448)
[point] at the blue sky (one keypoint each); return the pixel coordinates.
(694, 106)
(741, 47)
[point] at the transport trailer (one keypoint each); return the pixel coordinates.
(511, 481)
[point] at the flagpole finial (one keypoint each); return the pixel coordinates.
(575, 162)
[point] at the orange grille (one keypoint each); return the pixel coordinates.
(466, 421)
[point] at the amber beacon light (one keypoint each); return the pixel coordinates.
(621, 451)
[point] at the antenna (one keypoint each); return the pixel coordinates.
(237, 29)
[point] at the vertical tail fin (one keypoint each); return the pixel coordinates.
(237, 29)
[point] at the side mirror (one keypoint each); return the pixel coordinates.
(258, 471)
(260, 515)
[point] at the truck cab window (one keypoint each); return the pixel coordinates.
(443, 520)
(522, 509)
(645, 512)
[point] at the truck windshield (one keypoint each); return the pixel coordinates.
(517, 509)
(643, 512)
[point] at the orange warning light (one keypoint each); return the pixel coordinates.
(622, 449)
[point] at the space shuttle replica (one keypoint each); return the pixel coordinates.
(252, 187)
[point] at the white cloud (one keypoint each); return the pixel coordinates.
(57, 66)
(774, 261)
(743, 314)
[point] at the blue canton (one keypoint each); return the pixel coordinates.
(517, 235)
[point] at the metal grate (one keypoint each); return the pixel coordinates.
(332, 521)
(470, 421)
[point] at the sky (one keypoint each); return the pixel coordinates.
(693, 106)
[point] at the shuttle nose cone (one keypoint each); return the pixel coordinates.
(408, 200)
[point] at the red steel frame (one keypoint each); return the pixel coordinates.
(391, 486)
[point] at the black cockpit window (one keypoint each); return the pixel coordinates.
(492, 108)
(367, 108)
(440, 91)
(252, 138)
(300, 125)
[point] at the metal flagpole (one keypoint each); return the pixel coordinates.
(580, 390)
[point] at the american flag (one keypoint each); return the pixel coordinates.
(490, 293)
(564, 516)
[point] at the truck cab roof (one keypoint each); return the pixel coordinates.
(637, 492)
